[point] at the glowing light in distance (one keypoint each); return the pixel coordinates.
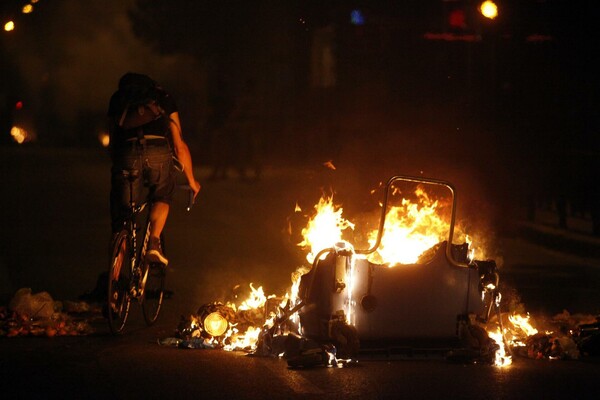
(18, 134)
(357, 17)
(104, 139)
(9, 26)
(489, 9)
(27, 9)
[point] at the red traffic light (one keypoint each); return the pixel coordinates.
(457, 19)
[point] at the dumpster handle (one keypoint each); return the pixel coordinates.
(430, 181)
(314, 269)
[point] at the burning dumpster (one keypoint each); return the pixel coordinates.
(428, 299)
(412, 288)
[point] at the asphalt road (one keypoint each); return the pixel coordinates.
(55, 235)
(135, 367)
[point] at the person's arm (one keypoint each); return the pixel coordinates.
(182, 152)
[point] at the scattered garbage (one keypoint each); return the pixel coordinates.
(565, 336)
(38, 305)
(193, 343)
(38, 314)
(230, 327)
(301, 352)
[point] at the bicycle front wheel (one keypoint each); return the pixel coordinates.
(119, 279)
(154, 289)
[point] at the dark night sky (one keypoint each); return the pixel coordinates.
(92, 42)
(69, 54)
(511, 119)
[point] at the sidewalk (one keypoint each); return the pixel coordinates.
(577, 240)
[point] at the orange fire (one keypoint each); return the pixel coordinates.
(410, 229)
(255, 300)
(519, 329)
(238, 338)
(502, 358)
(325, 229)
(241, 340)
(522, 324)
(515, 333)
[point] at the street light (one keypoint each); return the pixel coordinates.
(488, 9)
(9, 26)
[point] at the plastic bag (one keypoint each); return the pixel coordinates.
(39, 305)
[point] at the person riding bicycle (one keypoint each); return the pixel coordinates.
(145, 134)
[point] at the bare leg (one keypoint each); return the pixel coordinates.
(158, 218)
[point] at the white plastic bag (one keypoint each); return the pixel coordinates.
(39, 305)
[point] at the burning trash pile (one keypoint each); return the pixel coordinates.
(260, 325)
(562, 337)
(229, 326)
(346, 297)
(39, 315)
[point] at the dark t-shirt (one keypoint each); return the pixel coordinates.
(156, 127)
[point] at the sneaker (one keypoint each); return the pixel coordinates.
(154, 253)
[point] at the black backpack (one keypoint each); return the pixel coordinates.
(140, 105)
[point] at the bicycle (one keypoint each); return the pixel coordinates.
(130, 277)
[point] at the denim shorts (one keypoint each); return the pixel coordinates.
(156, 180)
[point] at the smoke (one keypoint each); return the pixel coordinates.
(72, 54)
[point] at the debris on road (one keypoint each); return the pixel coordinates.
(40, 315)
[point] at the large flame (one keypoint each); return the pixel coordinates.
(325, 229)
(410, 229)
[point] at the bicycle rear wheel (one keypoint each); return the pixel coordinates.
(154, 289)
(119, 279)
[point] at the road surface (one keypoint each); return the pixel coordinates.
(55, 236)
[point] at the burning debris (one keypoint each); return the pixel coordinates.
(413, 281)
(229, 327)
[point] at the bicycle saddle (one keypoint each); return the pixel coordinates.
(131, 174)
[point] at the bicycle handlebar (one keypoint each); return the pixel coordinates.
(191, 198)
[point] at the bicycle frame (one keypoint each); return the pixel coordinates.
(127, 282)
(123, 287)
(138, 270)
